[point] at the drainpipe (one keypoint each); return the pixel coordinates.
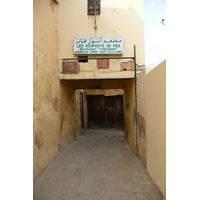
(95, 23)
(136, 120)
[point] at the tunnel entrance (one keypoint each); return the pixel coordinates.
(105, 111)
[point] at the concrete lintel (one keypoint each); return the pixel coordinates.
(93, 75)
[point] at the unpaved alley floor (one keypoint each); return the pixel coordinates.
(98, 165)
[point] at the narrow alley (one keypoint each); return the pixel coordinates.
(98, 165)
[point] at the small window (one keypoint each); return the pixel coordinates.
(91, 7)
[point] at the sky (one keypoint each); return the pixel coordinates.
(155, 32)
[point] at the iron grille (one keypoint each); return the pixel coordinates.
(91, 7)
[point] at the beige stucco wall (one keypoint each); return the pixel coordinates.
(117, 18)
(155, 100)
(45, 85)
(53, 102)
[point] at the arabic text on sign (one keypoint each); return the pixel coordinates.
(98, 45)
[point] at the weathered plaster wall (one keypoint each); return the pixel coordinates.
(52, 100)
(117, 18)
(155, 99)
(129, 112)
(45, 85)
(141, 117)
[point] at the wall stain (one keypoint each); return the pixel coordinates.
(141, 126)
(63, 118)
(127, 105)
(142, 138)
(55, 103)
(39, 139)
(58, 147)
(48, 97)
(51, 3)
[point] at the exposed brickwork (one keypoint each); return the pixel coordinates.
(102, 63)
(70, 67)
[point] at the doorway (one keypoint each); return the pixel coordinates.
(105, 112)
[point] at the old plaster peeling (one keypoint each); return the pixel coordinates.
(39, 139)
(140, 67)
(129, 66)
